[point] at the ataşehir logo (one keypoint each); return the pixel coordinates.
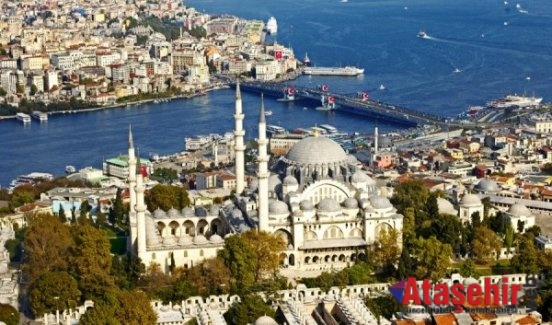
(489, 294)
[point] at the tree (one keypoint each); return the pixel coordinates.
(486, 207)
(47, 243)
(431, 206)
(83, 210)
(508, 237)
(3, 92)
(406, 264)
(211, 277)
(485, 243)
(91, 260)
(248, 310)
(447, 229)
(475, 220)
(166, 197)
(122, 307)
(9, 315)
(118, 210)
(251, 256)
(526, 258)
(409, 226)
(432, 258)
(535, 230)
(386, 250)
(34, 89)
(61, 214)
(410, 194)
(53, 291)
(468, 269)
(383, 306)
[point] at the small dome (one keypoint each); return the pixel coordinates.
(188, 212)
(200, 240)
(380, 202)
(470, 200)
(158, 214)
(237, 214)
(329, 205)
(214, 210)
(519, 210)
(306, 205)
(173, 213)
(200, 212)
(469, 280)
(487, 185)
(278, 207)
(185, 240)
(350, 203)
(351, 159)
(360, 177)
(216, 239)
(290, 180)
(316, 151)
(265, 320)
(273, 182)
(290, 247)
(169, 240)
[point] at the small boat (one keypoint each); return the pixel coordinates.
(382, 87)
(306, 60)
(41, 116)
(505, 23)
(25, 118)
(456, 70)
(344, 1)
(268, 113)
(69, 169)
(423, 34)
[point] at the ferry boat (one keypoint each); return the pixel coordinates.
(515, 101)
(423, 34)
(330, 129)
(41, 116)
(273, 129)
(31, 178)
(272, 26)
(333, 71)
(25, 118)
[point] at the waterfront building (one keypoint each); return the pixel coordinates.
(316, 198)
(119, 166)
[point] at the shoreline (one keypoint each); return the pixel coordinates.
(122, 105)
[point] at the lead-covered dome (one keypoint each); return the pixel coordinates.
(487, 186)
(306, 205)
(316, 151)
(265, 320)
(290, 180)
(470, 200)
(329, 205)
(380, 202)
(519, 210)
(278, 207)
(158, 214)
(350, 203)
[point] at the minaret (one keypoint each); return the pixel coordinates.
(262, 171)
(376, 140)
(132, 189)
(239, 147)
(140, 211)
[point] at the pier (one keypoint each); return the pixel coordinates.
(350, 104)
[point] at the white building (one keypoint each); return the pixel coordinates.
(519, 214)
(469, 205)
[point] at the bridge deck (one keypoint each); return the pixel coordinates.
(351, 104)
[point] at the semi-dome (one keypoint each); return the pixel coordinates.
(200, 240)
(188, 212)
(316, 151)
(350, 203)
(278, 207)
(329, 205)
(169, 240)
(173, 213)
(306, 205)
(290, 180)
(265, 320)
(185, 239)
(470, 200)
(519, 210)
(158, 213)
(380, 202)
(360, 177)
(487, 185)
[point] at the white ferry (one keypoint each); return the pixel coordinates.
(328, 128)
(272, 26)
(273, 129)
(41, 116)
(25, 118)
(515, 101)
(332, 71)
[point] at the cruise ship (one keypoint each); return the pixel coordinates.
(272, 26)
(515, 101)
(41, 116)
(25, 118)
(329, 71)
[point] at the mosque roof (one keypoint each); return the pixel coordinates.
(316, 151)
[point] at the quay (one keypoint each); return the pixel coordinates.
(350, 104)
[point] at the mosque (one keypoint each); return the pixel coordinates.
(316, 198)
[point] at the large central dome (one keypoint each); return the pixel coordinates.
(316, 151)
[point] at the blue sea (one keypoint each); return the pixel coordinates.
(498, 48)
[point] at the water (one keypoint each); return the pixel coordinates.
(379, 36)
